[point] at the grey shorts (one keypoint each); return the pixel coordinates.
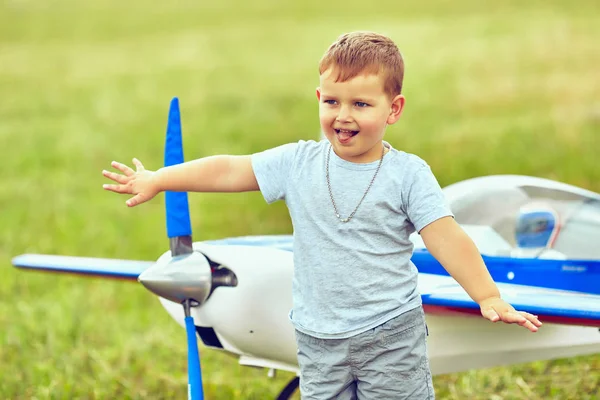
(386, 362)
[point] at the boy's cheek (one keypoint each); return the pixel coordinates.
(325, 119)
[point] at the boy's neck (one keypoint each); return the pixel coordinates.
(358, 160)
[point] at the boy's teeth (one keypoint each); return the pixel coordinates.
(345, 134)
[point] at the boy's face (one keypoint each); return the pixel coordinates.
(355, 113)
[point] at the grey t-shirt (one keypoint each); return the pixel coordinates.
(350, 277)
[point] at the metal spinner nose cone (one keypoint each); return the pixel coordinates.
(180, 278)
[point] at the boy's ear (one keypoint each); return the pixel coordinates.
(396, 109)
(319, 93)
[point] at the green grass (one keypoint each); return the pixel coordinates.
(502, 88)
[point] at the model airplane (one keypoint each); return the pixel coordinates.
(539, 239)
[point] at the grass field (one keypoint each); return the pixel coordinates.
(503, 88)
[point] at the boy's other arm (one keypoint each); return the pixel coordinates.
(222, 173)
(457, 253)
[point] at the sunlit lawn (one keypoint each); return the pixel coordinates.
(510, 88)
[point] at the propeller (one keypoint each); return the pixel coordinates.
(186, 277)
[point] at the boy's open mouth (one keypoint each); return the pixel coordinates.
(344, 134)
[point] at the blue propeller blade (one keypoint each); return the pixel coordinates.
(194, 372)
(179, 231)
(178, 214)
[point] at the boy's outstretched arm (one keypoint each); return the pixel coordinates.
(457, 253)
(211, 174)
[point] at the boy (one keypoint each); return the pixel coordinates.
(354, 200)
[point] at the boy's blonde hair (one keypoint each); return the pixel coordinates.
(358, 53)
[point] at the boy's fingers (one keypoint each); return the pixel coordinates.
(116, 188)
(504, 312)
(115, 177)
(491, 314)
(138, 165)
(513, 317)
(532, 318)
(135, 200)
(123, 168)
(529, 325)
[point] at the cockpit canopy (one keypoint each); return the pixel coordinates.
(532, 215)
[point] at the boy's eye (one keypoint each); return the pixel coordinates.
(332, 102)
(361, 104)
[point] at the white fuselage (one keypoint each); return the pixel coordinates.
(251, 320)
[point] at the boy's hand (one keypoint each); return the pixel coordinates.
(140, 182)
(495, 309)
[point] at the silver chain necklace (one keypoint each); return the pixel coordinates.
(337, 213)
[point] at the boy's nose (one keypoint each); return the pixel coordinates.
(344, 114)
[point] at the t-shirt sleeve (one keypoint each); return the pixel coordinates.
(272, 169)
(424, 200)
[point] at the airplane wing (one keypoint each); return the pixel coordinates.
(442, 294)
(101, 267)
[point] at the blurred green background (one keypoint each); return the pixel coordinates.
(509, 87)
